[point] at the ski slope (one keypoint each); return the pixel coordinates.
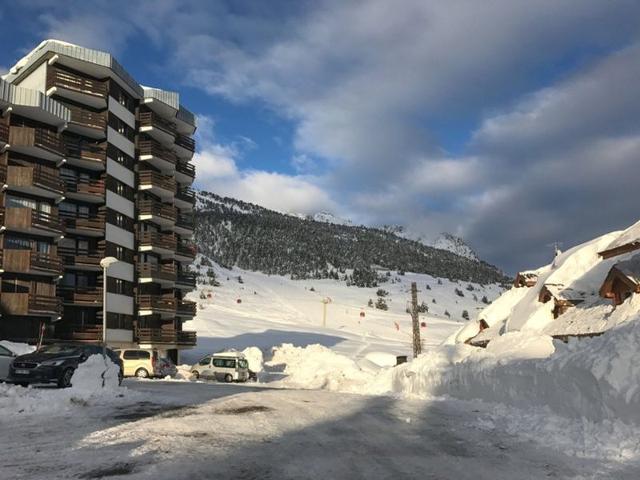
(268, 310)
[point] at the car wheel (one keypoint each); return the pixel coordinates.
(228, 378)
(23, 384)
(142, 373)
(65, 379)
(195, 374)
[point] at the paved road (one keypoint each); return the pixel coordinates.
(203, 431)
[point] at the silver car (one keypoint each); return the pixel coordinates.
(227, 367)
(6, 357)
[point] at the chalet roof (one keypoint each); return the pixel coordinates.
(630, 268)
(630, 237)
(528, 274)
(560, 292)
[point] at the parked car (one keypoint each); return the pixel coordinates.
(140, 363)
(6, 357)
(226, 366)
(167, 367)
(55, 363)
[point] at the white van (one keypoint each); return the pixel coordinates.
(225, 366)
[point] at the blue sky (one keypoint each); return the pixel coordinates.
(497, 121)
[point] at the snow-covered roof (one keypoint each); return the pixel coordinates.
(629, 236)
(630, 268)
(560, 292)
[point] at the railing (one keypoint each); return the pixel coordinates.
(148, 177)
(60, 78)
(4, 133)
(186, 337)
(186, 168)
(81, 258)
(36, 137)
(44, 304)
(150, 147)
(156, 302)
(3, 173)
(185, 220)
(150, 119)
(186, 278)
(92, 333)
(186, 249)
(72, 221)
(156, 335)
(151, 207)
(87, 118)
(23, 218)
(162, 272)
(160, 240)
(81, 296)
(38, 176)
(186, 142)
(27, 260)
(86, 150)
(186, 307)
(88, 186)
(186, 195)
(46, 262)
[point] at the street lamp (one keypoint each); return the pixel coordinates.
(105, 263)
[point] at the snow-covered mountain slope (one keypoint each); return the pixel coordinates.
(267, 310)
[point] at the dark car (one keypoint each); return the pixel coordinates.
(55, 364)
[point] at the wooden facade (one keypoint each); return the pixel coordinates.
(622, 281)
(525, 279)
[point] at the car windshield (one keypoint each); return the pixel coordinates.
(59, 349)
(243, 363)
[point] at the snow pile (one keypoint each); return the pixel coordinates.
(318, 367)
(381, 359)
(254, 357)
(18, 348)
(88, 378)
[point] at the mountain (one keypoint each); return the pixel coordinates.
(236, 233)
(444, 241)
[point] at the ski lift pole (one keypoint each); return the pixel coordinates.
(415, 320)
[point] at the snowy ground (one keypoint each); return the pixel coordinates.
(173, 430)
(275, 310)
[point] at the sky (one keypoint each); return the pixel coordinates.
(513, 124)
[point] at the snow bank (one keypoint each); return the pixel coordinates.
(381, 359)
(88, 378)
(18, 348)
(254, 357)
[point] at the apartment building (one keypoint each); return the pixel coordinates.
(97, 166)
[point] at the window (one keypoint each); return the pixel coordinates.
(15, 243)
(44, 247)
(4, 352)
(131, 355)
(224, 363)
(19, 202)
(144, 355)
(68, 279)
(119, 216)
(119, 252)
(205, 361)
(14, 286)
(120, 190)
(119, 286)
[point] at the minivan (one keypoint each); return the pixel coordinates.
(225, 366)
(140, 363)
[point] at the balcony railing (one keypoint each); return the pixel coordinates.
(4, 133)
(186, 337)
(186, 168)
(29, 261)
(83, 185)
(186, 279)
(22, 218)
(44, 304)
(86, 150)
(25, 303)
(158, 271)
(186, 307)
(81, 258)
(38, 176)
(151, 207)
(157, 303)
(77, 333)
(36, 137)
(186, 195)
(150, 119)
(166, 241)
(155, 179)
(88, 296)
(87, 118)
(89, 224)
(185, 220)
(186, 249)
(165, 336)
(149, 147)
(69, 81)
(186, 142)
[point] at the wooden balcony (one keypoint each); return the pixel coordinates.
(4, 134)
(159, 273)
(27, 261)
(185, 198)
(30, 304)
(163, 243)
(186, 308)
(86, 189)
(186, 250)
(27, 220)
(37, 180)
(86, 154)
(162, 214)
(165, 336)
(36, 142)
(185, 172)
(185, 146)
(83, 296)
(152, 152)
(91, 226)
(76, 87)
(184, 224)
(81, 260)
(150, 304)
(160, 185)
(157, 127)
(77, 333)
(187, 337)
(87, 122)
(186, 280)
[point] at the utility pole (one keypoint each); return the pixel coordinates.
(415, 320)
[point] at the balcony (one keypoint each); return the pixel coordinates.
(162, 243)
(4, 134)
(90, 190)
(164, 274)
(37, 180)
(185, 198)
(186, 252)
(162, 186)
(184, 224)
(77, 333)
(187, 338)
(82, 296)
(185, 308)
(27, 261)
(165, 336)
(156, 304)
(153, 153)
(36, 142)
(30, 304)
(186, 280)
(76, 87)
(89, 155)
(81, 259)
(156, 212)
(185, 172)
(87, 122)
(184, 146)
(157, 127)
(84, 225)
(27, 220)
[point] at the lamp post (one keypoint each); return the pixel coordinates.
(105, 263)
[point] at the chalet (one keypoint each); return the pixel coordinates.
(563, 298)
(628, 241)
(525, 279)
(622, 281)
